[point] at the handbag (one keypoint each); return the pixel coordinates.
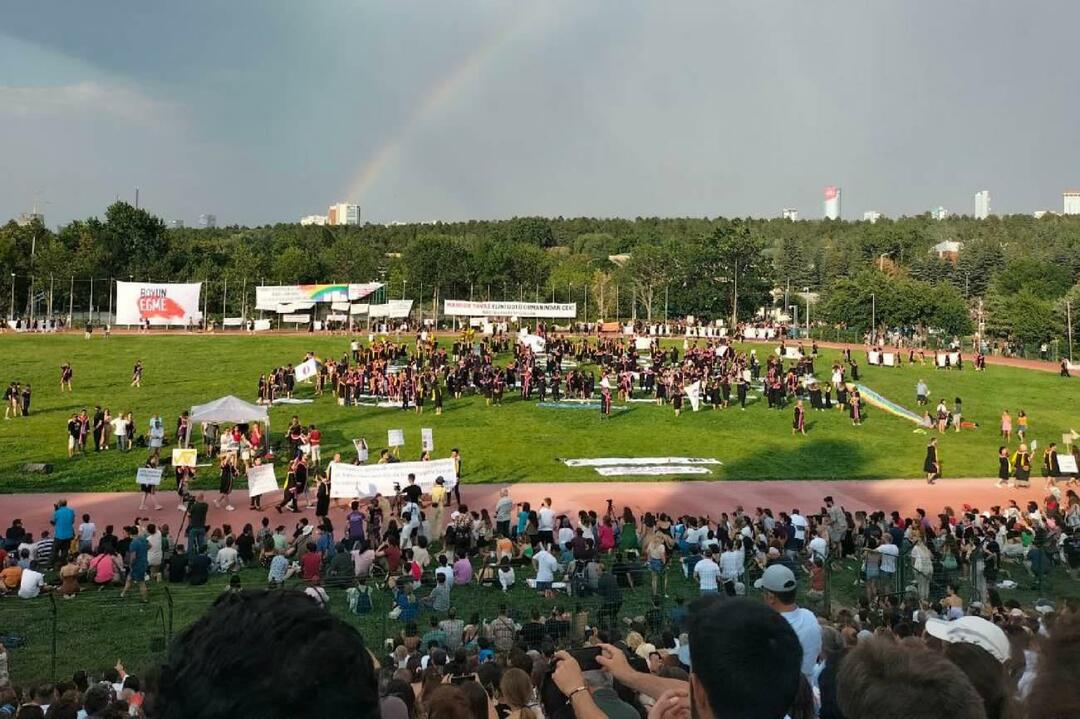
(949, 562)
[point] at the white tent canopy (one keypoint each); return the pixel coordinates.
(228, 409)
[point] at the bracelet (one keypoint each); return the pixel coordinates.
(570, 696)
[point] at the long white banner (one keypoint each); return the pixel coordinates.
(163, 303)
(638, 470)
(268, 297)
(351, 481)
(612, 461)
(510, 309)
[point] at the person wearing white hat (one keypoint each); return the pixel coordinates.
(972, 630)
(778, 587)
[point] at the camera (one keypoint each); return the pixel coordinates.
(188, 497)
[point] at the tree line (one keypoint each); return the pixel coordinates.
(1013, 275)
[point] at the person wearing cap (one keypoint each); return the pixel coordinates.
(972, 630)
(778, 588)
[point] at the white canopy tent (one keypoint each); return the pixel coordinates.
(229, 409)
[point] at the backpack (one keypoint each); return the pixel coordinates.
(359, 599)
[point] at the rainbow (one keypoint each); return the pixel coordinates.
(886, 405)
(439, 96)
(320, 293)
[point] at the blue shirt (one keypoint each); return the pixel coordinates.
(64, 520)
(139, 547)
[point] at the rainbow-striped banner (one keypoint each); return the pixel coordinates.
(270, 297)
(889, 406)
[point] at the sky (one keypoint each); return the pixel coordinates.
(265, 111)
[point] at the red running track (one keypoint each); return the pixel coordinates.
(677, 497)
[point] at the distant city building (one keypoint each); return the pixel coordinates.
(313, 220)
(1071, 202)
(207, 221)
(27, 218)
(791, 214)
(949, 250)
(871, 216)
(832, 203)
(939, 213)
(343, 214)
(1039, 214)
(176, 224)
(982, 204)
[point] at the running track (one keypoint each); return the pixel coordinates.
(699, 498)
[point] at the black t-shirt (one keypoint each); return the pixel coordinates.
(532, 633)
(413, 492)
(197, 515)
(244, 545)
(177, 567)
(200, 570)
(1072, 550)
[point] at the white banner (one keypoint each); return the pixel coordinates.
(873, 357)
(510, 309)
(1067, 464)
(269, 297)
(262, 325)
(296, 318)
(394, 309)
(148, 475)
(889, 359)
(395, 437)
(350, 481)
(759, 333)
(163, 303)
(640, 470)
(953, 358)
(693, 393)
(261, 480)
(306, 370)
(427, 440)
(610, 461)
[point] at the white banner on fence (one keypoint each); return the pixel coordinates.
(953, 358)
(612, 461)
(394, 309)
(349, 481)
(427, 439)
(261, 480)
(296, 318)
(232, 322)
(759, 333)
(269, 297)
(306, 370)
(693, 393)
(163, 303)
(510, 309)
(148, 475)
(359, 309)
(642, 470)
(262, 325)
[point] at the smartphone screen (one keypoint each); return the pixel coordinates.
(587, 658)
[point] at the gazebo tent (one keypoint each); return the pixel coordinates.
(229, 409)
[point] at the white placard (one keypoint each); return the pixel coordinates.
(509, 309)
(873, 358)
(889, 359)
(148, 475)
(185, 457)
(306, 370)
(261, 480)
(163, 303)
(304, 319)
(612, 461)
(395, 437)
(642, 344)
(1067, 464)
(262, 325)
(349, 481)
(361, 449)
(639, 470)
(427, 441)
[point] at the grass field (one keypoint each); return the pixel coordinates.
(515, 442)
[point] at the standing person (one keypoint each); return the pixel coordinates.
(183, 429)
(157, 436)
(66, 373)
(149, 490)
(545, 522)
(778, 587)
(315, 445)
(63, 522)
(1004, 466)
(26, 400)
(74, 428)
(456, 456)
(1021, 461)
(957, 414)
(99, 427)
(1050, 468)
(322, 495)
(1021, 425)
(138, 563)
(798, 425)
(87, 529)
(932, 463)
(119, 430)
(136, 374)
(921, 393)
(227, 479)
(1006, 426)
(605, 400)
(197, 510)
(438, 502)
(503, 509)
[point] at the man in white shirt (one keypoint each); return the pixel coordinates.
(228, 559)
(731, 566)
(819, 547)
(778, 588)
(706, 571)
(889, 553)
(546, 566)
(445, 568)
(32, 584)
(545, 521)
(798, 524)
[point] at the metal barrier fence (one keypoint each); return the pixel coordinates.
(49, 638)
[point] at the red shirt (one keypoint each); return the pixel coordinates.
(315, 437)
(393, 558)
(310, 564)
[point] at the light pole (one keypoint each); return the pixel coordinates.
(403, 282)
(873, 316)
(11, 308)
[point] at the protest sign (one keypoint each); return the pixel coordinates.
(361, 449)
(306, 370)
(1067, 464)
(261, 480)
(184, 457)
(148, 475)
(427, 441)
(350, 481)
(395, 438)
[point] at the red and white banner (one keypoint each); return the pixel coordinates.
(163, 303)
